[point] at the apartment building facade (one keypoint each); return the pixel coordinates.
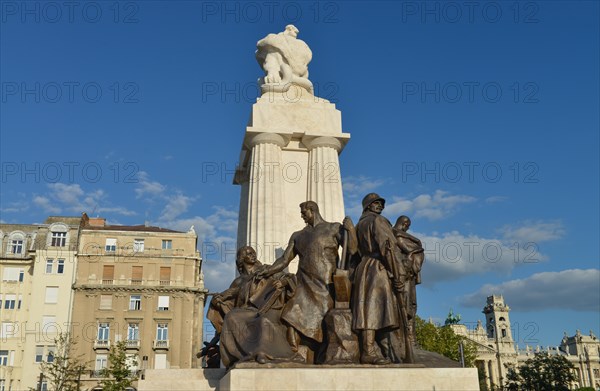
(37, 266)
(142, 285)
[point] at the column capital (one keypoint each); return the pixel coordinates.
(267, 138)
(323, 141)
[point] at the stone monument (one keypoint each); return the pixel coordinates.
(289, 152)
(328, 321)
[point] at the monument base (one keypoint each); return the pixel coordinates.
(396, 378)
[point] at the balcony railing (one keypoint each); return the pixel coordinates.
(161, 344)
(101, 344)
(132, 343)
(96, 373)
(107, 282)
(165, 282)
(136, 282)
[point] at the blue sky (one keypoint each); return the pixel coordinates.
(479, 121)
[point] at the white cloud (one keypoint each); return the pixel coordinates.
(225, 219)
(73, 199)
(14, 207)
(359, 186)
(452, 255)
(176, 205)
(436, 206)
(46, 205)
(148, 188)
(534, 231)
(495, 199)
(573, 289)
(432, 207)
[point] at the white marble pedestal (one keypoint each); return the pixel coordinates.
(313, 378)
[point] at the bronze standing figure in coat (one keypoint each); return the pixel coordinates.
(375, 310)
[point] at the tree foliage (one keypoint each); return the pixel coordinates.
(118, 375)
(542, 372)
(443, 340)
(62, 371)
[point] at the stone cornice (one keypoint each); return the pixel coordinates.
(140, 288)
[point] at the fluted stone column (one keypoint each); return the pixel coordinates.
(275, 174)
(324, 178)
(266, 220)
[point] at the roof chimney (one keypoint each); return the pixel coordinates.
(97, 222)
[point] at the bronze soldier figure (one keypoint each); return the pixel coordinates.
(375, 310)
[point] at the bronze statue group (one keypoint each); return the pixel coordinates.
(359, 308)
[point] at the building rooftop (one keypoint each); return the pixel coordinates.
(99, 223)
(71, 220)
(133, 228)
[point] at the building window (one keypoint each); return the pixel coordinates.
(105, 302)
(133, 332)
(16, 246)
(135, 302)
(19, 302)
(132, 361)
(21, 275)
(503, 333)
(167, 244)
(2, 385)
(138, 245)
(160, 361)
(49, 323)
(60, 269)
(9, 302)
(165, 275)
(7, 330)
(111, 245)
(101, 361)
(108, 274)
(50, 356)
(103, 332)
(12, 274)
(3, 358)
(39, 353)
(59, 239)
(162, 332)
(137, 272)
(49, 266)
(51, 294)
(163, 303)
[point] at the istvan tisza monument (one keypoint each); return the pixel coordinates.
(319, 302)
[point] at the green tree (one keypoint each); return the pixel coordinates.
(542, 372)
(62, 370)
(118, 375)
(443, 340)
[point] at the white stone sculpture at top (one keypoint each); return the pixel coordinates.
(284, 58)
